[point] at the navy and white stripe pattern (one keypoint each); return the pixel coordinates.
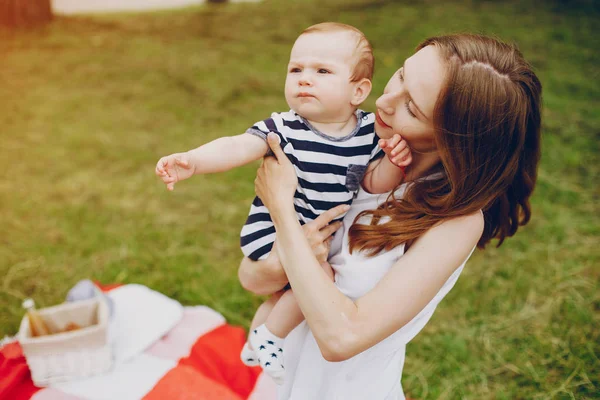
(328, 170)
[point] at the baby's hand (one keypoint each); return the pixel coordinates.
(174, 168)
(397, 150)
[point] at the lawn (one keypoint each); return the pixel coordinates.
(89, 104)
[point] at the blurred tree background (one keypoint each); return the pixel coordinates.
(25, 13)
(89, 104)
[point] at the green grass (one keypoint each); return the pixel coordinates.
(90, 103)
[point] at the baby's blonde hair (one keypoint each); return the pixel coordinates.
(365, 62)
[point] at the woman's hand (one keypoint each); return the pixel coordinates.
(319, 234)
(276, 184)
(276, 180)
(320, 231)
(267, 276)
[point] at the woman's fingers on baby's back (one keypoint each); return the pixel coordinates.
(330, 229)
(329, 215)
(275, 144)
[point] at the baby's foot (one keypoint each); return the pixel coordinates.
(269, 349)
(248, 356)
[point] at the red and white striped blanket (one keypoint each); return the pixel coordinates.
(198, 358)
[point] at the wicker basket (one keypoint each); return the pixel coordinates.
(68, 355)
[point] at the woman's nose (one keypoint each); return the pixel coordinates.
(386, 102)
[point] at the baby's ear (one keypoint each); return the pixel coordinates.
(362, 89)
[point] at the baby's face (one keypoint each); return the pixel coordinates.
(318, 83)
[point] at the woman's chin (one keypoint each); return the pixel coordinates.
(384, 132)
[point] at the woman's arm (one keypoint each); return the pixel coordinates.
(267, 276)
(342, 327)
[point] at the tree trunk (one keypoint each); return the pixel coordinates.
(25, 13)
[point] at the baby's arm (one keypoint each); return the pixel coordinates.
(386, 173)
(219, 155)
(227, 153)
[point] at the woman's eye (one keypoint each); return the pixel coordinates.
(323, 71)
(407, 105)
(294, 70)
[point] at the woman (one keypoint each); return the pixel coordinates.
(469, 107)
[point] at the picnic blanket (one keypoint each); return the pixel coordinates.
(162, 351)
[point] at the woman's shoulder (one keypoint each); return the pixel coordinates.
(456, 235)
(474, 220)
(461, 233)
(470, 225)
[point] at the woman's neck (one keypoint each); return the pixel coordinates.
(421, 165)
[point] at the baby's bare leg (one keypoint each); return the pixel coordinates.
(248, 355)
(263, 311)
(285, 315)
(267, 339)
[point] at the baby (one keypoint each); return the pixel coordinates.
(333, 147)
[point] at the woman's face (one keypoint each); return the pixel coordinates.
(407, 103)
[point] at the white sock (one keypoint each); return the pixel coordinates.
(248, 356)
(269, 349)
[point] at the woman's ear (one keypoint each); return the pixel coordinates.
(362, 89)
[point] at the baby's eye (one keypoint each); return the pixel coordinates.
(294, 70)
(324, 71)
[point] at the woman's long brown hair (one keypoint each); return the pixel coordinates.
(487, 131)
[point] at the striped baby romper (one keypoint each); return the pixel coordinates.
(329, 171)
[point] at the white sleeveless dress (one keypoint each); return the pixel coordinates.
(375, 373)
